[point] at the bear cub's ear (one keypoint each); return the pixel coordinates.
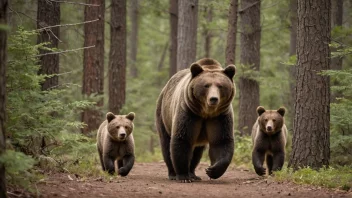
(196, 69)
(130, 116)
(230, 71)
(110, 116)
(260, 110)
(281, 111)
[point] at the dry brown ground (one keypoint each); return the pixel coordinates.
(150, 180)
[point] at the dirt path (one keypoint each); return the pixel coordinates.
(150, 180)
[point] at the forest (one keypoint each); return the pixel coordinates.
(65, 64)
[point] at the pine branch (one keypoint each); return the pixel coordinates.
(60, 52)
(249, 6)
(65, 25)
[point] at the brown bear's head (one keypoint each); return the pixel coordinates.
(212, 88)
(120, 126)
(271, 121)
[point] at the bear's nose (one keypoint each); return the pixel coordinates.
(213, 100)
(122, 135)
(269, 128)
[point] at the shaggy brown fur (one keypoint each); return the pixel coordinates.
(194, 109)
(269, 137)
(115, 142)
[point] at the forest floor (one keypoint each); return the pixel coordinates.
(150, 180)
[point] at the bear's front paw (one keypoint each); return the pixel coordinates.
(183, 178)
(214, 172)
(123, 171)
(260, 171)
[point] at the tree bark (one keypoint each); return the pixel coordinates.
(187, 33)
(93, 61)
(3, 63)
(173, 9)
(231, 33)
(311, 135)
(292, 52)
(207, 32)
(250, 56)
(134, 37)
(48, 14)
(117, 56)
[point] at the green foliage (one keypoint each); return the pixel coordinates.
(18, 168)
(340, 177)
(36, 118)
(243, 151)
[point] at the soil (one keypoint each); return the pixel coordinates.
(150, 180)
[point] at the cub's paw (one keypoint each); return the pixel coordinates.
(214, 172)
(183, 178)
(260, 171)
(172, 177)
(194, 177)
(123, 171)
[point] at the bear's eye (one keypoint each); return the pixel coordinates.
(266, 120)
(118, 127)
(207, 86)
(274, 120)
(220, 86)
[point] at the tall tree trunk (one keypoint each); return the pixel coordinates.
(250, 56)
(187, 33)
(134, 37)
(117, 57)
(48, 14)
(311, 135)
(336, 62)
(231, 33)
(3, 62)
(292, 52)
(93, 62)
(207, 32)
(173, 36)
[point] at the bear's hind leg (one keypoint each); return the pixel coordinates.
(119, 164)
(101, 160)
(197, 155)
(278, 160)
(165, 149)
(269, 163)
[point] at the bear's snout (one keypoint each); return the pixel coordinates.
(213, 96)
(121, 134)
(269, 126)
(213, 100)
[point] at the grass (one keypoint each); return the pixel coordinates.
(338, 177)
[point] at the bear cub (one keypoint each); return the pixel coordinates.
(269, 137)
(115, 143)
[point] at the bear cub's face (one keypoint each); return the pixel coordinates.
(270, 121)
(212, 88)
(120, 126)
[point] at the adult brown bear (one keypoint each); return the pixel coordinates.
(194, 109)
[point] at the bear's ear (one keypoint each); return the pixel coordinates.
(110, 116)
(130, 116)
(260, 110)
(196, 69)
(281, 111)
(230, 71)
